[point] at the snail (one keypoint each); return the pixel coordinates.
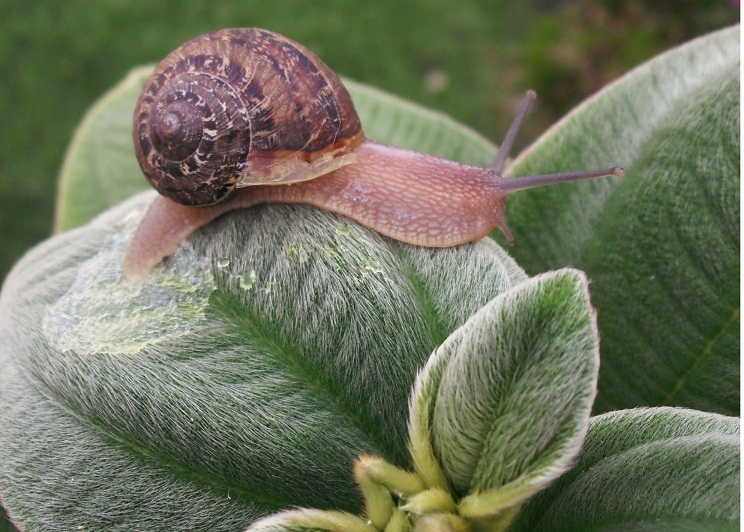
(240, 117)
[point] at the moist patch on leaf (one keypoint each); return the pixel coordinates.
(103, 313)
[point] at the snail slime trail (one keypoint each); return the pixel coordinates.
(101, 313)
(240, 117)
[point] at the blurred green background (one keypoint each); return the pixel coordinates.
(470, 59)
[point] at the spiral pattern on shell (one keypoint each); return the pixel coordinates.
(239, 107)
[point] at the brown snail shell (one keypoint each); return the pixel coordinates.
(239, 107)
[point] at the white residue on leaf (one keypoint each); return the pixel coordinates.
(103, 313)
(247, 279)
(372, 265)
(297, 252)
(343, 230)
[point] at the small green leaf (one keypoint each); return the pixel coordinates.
(661, 246)
(647, 469)
(305, 520)
(101, 170)
(506, 399)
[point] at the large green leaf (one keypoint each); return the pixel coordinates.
(661, 246)
(644, 470)
(245, 376)
(100, 169)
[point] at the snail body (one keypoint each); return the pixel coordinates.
(210, 139)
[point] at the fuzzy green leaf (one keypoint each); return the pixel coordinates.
(100, 169)
(661, 246)
(244, 377)
(303, 520)
(507, 397)
(644, 470)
